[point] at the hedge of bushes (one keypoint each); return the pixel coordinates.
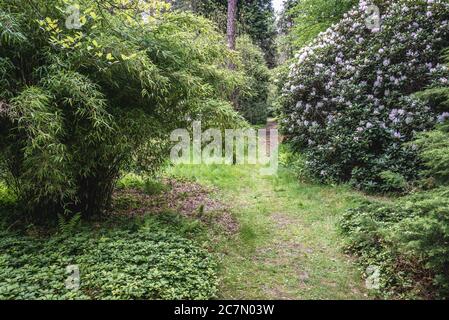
(348, 101)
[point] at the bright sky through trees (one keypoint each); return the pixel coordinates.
(278, 4)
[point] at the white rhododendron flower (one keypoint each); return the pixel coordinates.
(356, 86)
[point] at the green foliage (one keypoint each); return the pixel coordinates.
(79, 106)
(175, 223)
(301, 21)
(126, 202)
(146, 184)
(7, 198)
(406, 239)
(8, 206)
(424, 233)
(438, 94)
(393, 181)
(252, 103)
(434, 145)
(434, 151)
(280, 77)
(348, 102)
(255, 18)
(219, 114)
(294, 162)
(153, 187)
(258, 20)
(285, 24)
(148, 260)
(131, 181)
(68, 225)
(314, 16)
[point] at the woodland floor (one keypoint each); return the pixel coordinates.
(275, 237)
(286, 245)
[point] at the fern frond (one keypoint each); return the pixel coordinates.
(68, 226)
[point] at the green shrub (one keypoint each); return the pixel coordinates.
(153, 187)
(253, 101)
(131, 181)
(407, 239)
(146, 261)
(8, 206)
(295, 162)
(146, 184)
(7, 198)
(434, 151)
(93, 102)
(424, 233)
(393, 181)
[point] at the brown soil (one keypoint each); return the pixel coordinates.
(184, 197)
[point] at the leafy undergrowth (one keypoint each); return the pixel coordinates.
(157, 254)
(7, 202)
(149, 258)
(407, 241)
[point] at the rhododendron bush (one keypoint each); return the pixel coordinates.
(349, 102)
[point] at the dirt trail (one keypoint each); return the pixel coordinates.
(271, 125)
(287, 245)
(290, 248)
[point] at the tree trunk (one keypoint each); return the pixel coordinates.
(232, 15)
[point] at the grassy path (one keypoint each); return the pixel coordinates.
(288, 246)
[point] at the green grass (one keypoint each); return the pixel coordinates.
(288, 246)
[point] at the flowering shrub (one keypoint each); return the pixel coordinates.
(348, 102)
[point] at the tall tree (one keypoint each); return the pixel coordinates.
(310, 17)
(254, 17)
(285, 25)
(302, 20)
(231, 29)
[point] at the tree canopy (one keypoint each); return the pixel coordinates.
(255, 18)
